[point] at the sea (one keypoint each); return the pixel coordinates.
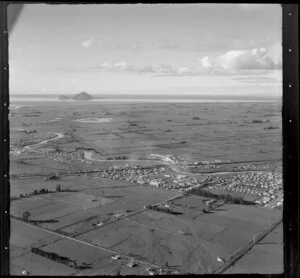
(47, 99)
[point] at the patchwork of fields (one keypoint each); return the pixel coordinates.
(69, 219)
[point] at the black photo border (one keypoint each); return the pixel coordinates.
(290, 121)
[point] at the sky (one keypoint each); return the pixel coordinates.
(208, 49)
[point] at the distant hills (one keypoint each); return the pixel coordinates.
(80, 96)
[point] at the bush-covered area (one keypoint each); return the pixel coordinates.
(257, 121)
(225, 197)
(121, 157)
(272, 127)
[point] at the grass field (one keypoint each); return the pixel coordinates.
(37, 265)
(261, 258)
(23, 237)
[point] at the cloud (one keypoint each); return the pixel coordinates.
(205, 62)
(87, 43)
(252, 59)
(252, 7)
(137, 67)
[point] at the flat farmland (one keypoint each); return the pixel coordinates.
(112, 267)
(75, 182)
(24, 236)
(265, 257)
(132, 198)
(276, 236)
(70, 219)
(231, 226)
(113, 201)
(77, 251)
(76, 212)
(31, 164)
(37, 265)
(28, 204)
(261, 216)
(190, 202)
(195, 256)
(137, 129)
(112, 213)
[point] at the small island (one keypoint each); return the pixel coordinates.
(62, 97)
(80, 96)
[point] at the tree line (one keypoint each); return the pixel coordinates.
(224, 197)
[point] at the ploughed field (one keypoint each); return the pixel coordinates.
(68, 219)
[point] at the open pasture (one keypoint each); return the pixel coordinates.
(73, 182)
(276, 236)
(190, 202)
(23, 237)
(31, 164)
(77, 251)
(262, 259)
(113, 201)
(130, 198)
(162, 248)
(115, 267)
(230, 225)
(265, 257)
(37, 265)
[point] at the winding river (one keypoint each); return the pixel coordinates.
(58, 136)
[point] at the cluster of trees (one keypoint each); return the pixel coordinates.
(224, 197)
(60, 189)
(54, 257)
(26, 215)
(196, 118)
(162, 209)
(257, 121)
(60, 259)
(42, 191)
(35, 192)
(121, 157)
(272, 127)
(52, 177)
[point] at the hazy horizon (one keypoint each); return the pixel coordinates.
(182, 49)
